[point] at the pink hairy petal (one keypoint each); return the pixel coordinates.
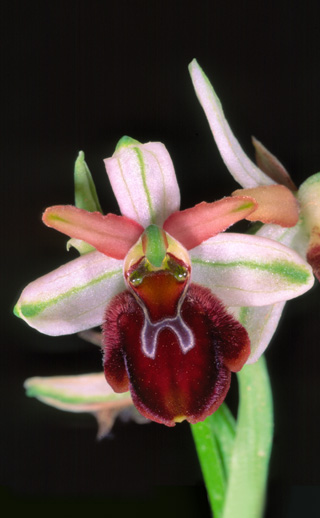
(276, 204)
(271, 166)
(193, 226)
(112, 235)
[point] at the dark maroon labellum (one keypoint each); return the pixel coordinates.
(177, 362)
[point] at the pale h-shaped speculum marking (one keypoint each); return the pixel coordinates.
(150, 331)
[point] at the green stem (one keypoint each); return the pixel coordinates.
(234, 459)
(223, 426)
(214, 441)
(245, 496)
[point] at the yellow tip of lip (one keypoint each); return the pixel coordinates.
(179, 418)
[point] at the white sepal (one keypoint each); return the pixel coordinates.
(73, 297)
(246, 270)
(243, 170)
(143, 180)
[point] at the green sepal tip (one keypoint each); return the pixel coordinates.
(16, 311)
(126, 141)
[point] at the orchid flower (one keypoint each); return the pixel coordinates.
(160, 281)
(264, 182)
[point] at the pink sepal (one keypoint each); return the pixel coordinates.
(193, 226)
(112, 235)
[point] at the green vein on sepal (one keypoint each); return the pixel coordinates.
(35, 308)
(144, 182)
(296, 274)
(38, 391)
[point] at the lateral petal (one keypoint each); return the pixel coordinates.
(193, 226)
(143, 180)
(112, 235)
(246, 270)
(73, 297)
(243, 170)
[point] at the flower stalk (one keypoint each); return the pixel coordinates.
(234, 458)
(252, 447)
(214, 440)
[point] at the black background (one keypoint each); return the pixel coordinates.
(79, 75)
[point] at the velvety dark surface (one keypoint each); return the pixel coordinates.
(174, 383)
(80, 75)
